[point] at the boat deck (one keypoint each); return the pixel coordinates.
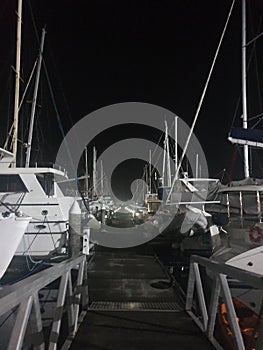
(133, 305)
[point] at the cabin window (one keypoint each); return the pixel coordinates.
(47, 183)
(12, 183)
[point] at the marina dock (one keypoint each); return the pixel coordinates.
(134, 305)
(128, 299)
(122, 225)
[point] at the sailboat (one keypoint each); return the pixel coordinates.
(183, 199)
(100, 205)
(241, 202)
(35, 190)
(241, 206)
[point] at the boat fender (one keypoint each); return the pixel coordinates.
(255, 234)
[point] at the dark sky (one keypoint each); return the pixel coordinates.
(158, 51)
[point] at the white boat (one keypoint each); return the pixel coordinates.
(241, 202)
(241, 205)
(184, 199)
(36, 192)
(12, 229)
(250, 260)
(199, 234)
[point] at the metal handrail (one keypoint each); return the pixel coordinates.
(24, 296)
(49, 165)
(207, 318)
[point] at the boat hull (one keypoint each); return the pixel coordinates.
(12, 229)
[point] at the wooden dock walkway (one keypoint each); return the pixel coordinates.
(134, 306)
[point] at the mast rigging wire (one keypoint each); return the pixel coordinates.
(201, 101)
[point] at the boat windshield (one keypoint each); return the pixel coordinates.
(12, 183)
(46, 181)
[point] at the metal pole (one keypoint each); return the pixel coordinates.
(169, 180)
(259, 207)
(196, 165)
(244, 85)
(101, 176)
(17, 80)
(164, 161)
(86, 173)
(94, 172)
(150, 171)
(241, 209)
(175, 145)
(146, 179)
(30, 134)
(228, 205)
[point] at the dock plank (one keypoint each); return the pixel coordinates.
(127, 311)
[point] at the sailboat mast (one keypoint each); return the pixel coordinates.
(196, 165)
(17, 80)
(167, 156)
(94, 172)
(167, 149)
(150, 171)
(175, 144)
(244, 86)
(146, 178)
(30, 135)
(101, 178)
(86, 173)
(164, 162)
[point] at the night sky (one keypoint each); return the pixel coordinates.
(103, 52)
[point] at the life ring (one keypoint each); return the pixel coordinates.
(255, 234)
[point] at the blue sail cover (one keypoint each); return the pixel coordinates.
(250, 137)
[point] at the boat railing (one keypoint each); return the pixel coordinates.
(242, 207)
(51, 165)
(23, 298)
(204, 309)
